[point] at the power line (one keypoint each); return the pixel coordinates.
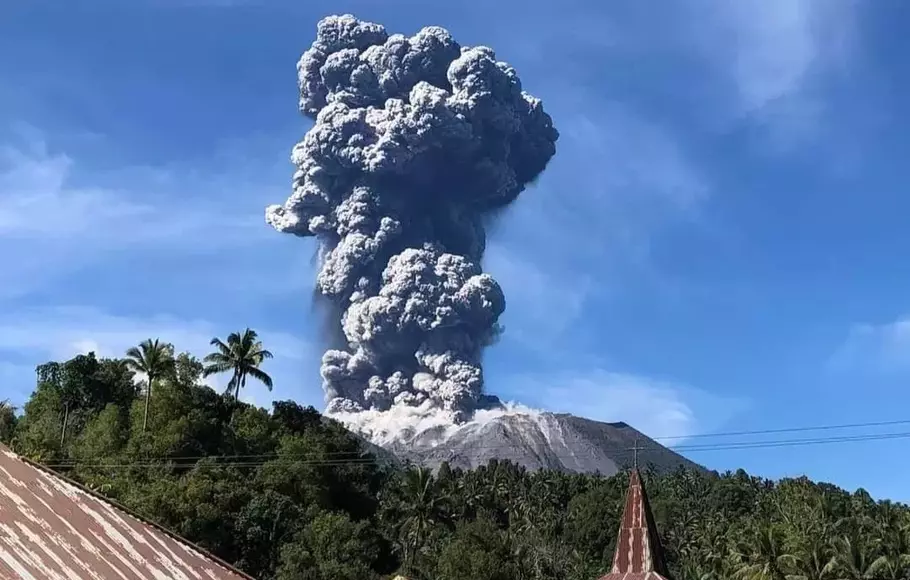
(305, 462)
(260, 460)
(792, 442)
(786, 430)
(682, 447)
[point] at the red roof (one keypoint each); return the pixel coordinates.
(639, 555)
(54, 529)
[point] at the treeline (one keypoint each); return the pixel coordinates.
(288, 494)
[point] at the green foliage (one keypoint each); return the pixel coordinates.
(331, 547)
(38, 431)
(478, 550)
(289, 494)
(155, 360)
(8, 422)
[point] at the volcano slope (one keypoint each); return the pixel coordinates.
(540, 441)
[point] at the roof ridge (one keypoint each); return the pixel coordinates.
(131, 513)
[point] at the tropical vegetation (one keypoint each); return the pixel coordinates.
(241, 356)
(288, 494)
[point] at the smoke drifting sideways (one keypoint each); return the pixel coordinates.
(417, 143)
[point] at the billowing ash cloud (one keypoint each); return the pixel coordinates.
(416, 140)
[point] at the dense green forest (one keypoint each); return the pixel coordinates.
(288, 494)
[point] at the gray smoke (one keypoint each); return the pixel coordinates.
(416, 141)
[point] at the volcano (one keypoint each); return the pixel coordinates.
(535, 441)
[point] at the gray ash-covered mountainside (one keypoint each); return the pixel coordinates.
(541, 441)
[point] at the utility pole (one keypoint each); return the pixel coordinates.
(635, 449)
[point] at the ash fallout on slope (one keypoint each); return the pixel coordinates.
(416, 142)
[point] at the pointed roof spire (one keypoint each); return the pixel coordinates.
(639, 555)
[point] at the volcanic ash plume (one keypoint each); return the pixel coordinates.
(416, 141)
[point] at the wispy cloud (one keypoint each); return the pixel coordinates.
(657, 408)
(767, 63)
(880, 348)
(36, 201)
(164, 244)
(779, 57)
(68, 216)
(64, 217)
(780, 47)
(41, 199)
(616, 182)
(622, 175)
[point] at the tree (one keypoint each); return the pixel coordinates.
(855, 555)
(478, 551)
(331, 547)
(187, 371)
(292, 494)
(420, 506)
(265, 524)
(894, 530)
(293, 418)
(764, 557)
(76, 383)
(155, 360)
(8, 421)
(242, 356)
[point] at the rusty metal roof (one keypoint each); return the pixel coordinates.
(54, 529)
(639, 555)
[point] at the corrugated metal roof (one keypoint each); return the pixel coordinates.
(639, 555)
(54, 529)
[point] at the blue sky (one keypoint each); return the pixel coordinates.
(719, 245)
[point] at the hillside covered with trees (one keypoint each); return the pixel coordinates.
(286, 493)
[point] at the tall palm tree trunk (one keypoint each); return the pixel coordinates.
(241, 382)
(235, 380)
(148, 399)
(66, 416)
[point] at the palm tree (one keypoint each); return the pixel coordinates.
(242, 356)
(423, 506)
(894, 562)
(856, 555)
(154, 359)
(815, 560)
(764, 557)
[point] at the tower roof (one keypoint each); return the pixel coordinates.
(639, 555)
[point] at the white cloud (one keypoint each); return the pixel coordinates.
(66, 331)
(35, 335)
(40, 201)
(171, 238)
(616, 181)
(56, 224)
(778, 55)
(632, 159)
(773, 48)
(875, 347)
(37, 202)
(655, 407)
(770, 61)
